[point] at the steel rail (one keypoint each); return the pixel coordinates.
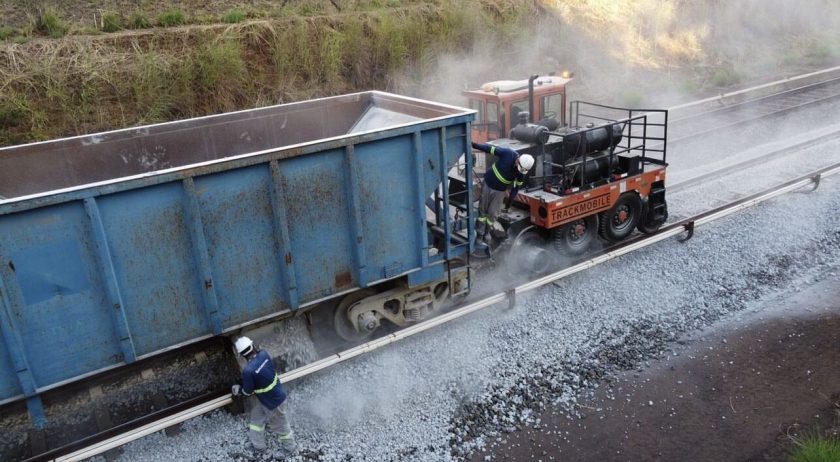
(745, 91)
(724, 109)
(751, 119)
(148, 429)
(509, 296)
(777, 153)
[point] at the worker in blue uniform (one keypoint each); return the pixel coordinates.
(259, 378)
(506, 173)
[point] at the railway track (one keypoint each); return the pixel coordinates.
(750, 162)
(754, 102)
(685, 227)
(200, 405)
(729, 116)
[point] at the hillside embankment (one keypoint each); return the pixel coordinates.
(69, 68)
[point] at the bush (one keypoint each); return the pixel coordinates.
(112, 23)
(220, 66)
(155, 87)
(48, 23)
(172, 18)
(10, 115)
(7, 32)
(725, 77)
(139, 21)
(234, 16)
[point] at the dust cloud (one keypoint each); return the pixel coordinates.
(645, 52)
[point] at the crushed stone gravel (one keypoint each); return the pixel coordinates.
(443, 394)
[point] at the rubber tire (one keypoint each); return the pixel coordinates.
(645, 226)
(342, 325)
(629, 202)
(564, 243)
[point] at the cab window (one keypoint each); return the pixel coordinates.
(552, 106)
(476, 104)
(492, 119)
(516, 108)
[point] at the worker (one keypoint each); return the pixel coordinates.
(507, 172)
(259, 378)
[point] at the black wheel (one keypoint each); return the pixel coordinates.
(343, 327)
(646, 224)
(528, 252)
(618, 222)
(575, 238)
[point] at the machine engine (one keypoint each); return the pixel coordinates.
(578, 155)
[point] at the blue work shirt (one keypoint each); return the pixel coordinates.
(260, 377)
(503, 174)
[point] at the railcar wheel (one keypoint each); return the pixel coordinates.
(528, 252)
(343, 327)
(575, 238)
(618, 222)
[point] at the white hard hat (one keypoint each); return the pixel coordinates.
(526, 161)
(244, 346)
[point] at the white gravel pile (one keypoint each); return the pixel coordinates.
(441, 394)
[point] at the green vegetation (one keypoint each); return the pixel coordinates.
(172, 18)
(79, 87)
(7, 32)
(154, 88)
(139, 21)
(48, 23)
(815, 448)
(112, 23)
(310, 9)
(820, 53)
(219, 75)
(631, 98)
(10, 115)
(725, 77)
(234, 16)
(288, 51)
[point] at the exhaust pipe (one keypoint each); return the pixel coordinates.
(531, 97)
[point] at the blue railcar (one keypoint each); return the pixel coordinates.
(118, 246)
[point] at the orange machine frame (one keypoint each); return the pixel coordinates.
(548, 210)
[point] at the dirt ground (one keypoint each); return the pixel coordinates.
(733, 392)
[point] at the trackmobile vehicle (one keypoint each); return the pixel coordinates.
(599, 172)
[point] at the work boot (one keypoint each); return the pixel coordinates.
(498, 231)
(282, 453)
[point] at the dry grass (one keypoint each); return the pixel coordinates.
(59, 87)
(231, 56)
(645, 32)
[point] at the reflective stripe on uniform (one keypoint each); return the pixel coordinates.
(492, 150)
(499, 175)
(487, 220)
(518, 183)
(256, 428)
(270, 386)
(287, 436)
